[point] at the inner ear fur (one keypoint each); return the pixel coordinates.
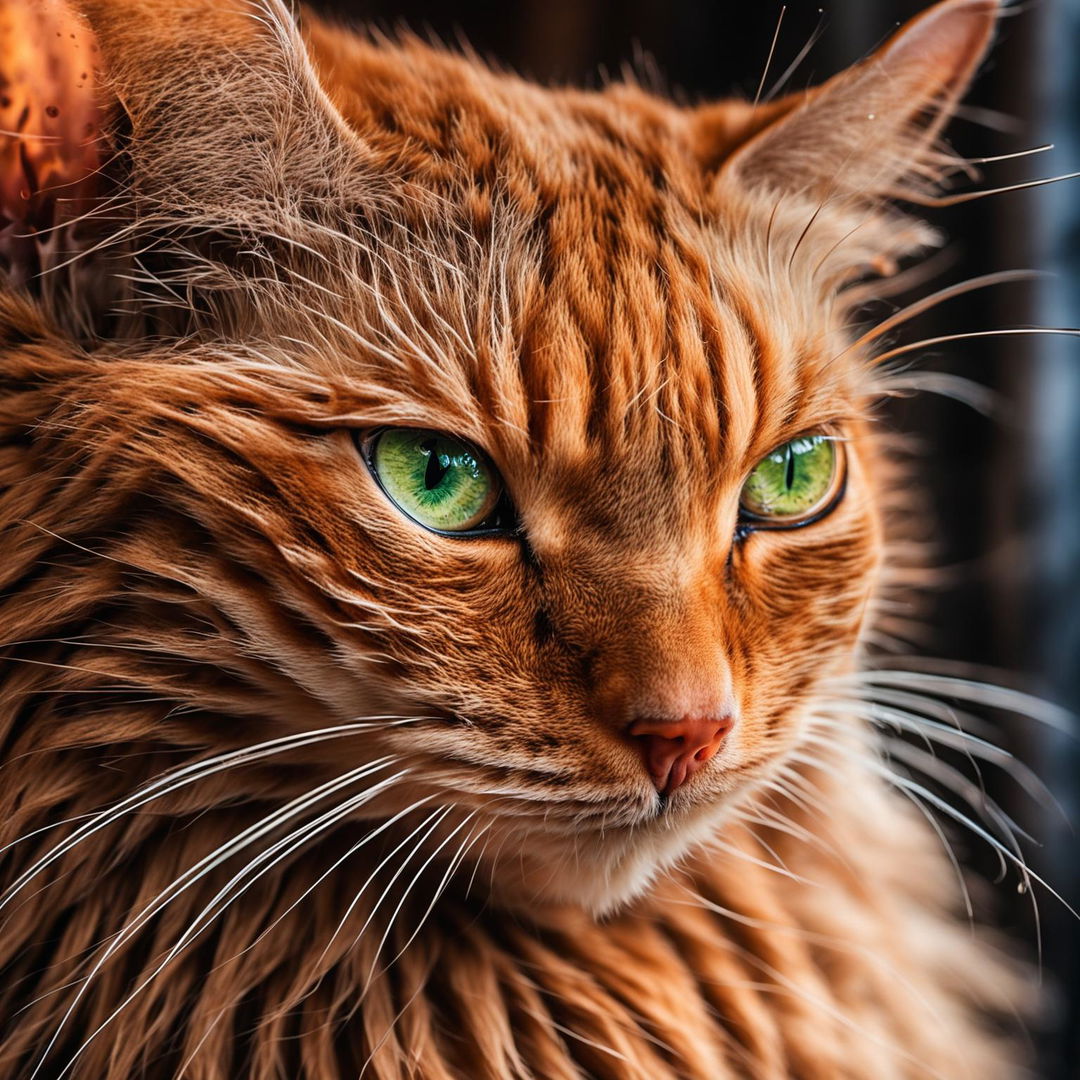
(871, 129)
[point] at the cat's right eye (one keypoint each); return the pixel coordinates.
(440, 481)
(796, 484)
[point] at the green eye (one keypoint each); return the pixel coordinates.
(437, 480)
(795, 482)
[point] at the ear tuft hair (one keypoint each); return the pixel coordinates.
(871, 129)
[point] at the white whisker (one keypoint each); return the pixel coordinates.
(411, 835)
(403, 896)
(184, 882)
(181, 777)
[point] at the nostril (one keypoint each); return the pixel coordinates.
(673, 750)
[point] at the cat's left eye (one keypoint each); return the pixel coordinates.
(797, 483)
(440, 481)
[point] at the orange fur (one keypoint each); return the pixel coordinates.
(626, 304)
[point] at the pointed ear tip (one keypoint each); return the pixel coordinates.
(970, 19)
(987, 7)
(946, 42)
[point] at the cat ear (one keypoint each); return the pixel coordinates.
(871, 129)
(199, 79)
(207, 119)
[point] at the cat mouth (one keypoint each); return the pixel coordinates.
(668, 808)
(689, 803)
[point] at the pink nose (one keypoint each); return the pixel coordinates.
(673, 750)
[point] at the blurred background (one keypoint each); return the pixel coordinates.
(1006, 490)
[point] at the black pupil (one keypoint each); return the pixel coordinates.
(435, 471)
(789, 469)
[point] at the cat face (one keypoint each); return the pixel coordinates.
(619, 308)
(626, 588)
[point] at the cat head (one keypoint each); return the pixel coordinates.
(517, 434)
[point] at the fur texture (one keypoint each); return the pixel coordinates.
(294, 788)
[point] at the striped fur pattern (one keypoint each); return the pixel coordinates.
(293, 788)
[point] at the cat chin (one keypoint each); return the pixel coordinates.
(601, 873)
